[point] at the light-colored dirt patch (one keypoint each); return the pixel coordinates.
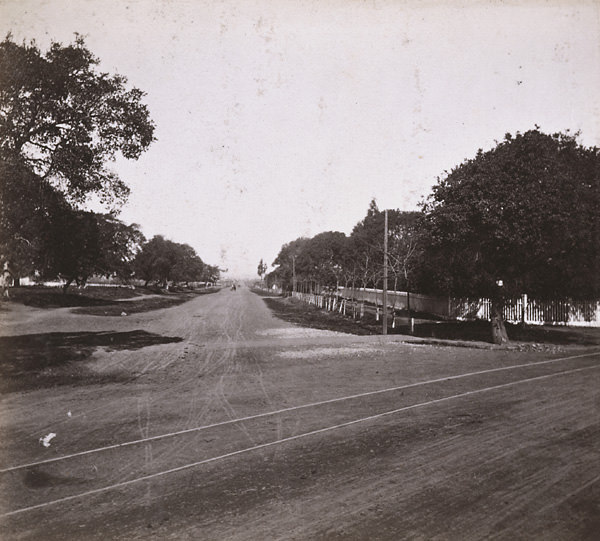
(298, 332)
(327, 352)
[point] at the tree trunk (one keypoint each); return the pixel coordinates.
(499, 335)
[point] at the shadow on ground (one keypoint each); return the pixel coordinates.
(480, 331)
(52, 297)
(34, 361)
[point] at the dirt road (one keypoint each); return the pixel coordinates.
(215, 420)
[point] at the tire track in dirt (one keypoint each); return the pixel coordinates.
(227, 367)
(277, 412)
(123, 480)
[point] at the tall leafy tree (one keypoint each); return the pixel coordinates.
(262, 269)
(323, 258)
(155, 260)
(62, 122)
(188, 267)
(366, 245)
(66, 120)
(120, 244)
(367, 239)
(211, 274)
(162, 261)
(26, 208)
(524, 215)
(79, 244)
(287, 263)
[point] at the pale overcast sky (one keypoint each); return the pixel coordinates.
(284, 118)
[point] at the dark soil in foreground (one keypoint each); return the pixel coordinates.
(35, 361)
(295, 311)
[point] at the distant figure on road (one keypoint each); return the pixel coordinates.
(233, 288)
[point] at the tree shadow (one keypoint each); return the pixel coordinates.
(480, 331)
(55, 298)
(50, 359)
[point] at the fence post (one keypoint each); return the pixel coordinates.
(523, 308)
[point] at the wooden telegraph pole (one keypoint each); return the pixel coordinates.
(385, 272)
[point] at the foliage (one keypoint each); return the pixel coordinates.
(211, 274)
(285, 262)
(525, 212)
(61, 122)
(262, 268)
(318, 260)
(188, 266)
(163, 261)
(331, 258)
(367, 246)
(26, 204)
(79, 244)
(65, 120)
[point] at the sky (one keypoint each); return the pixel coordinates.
(277, 119)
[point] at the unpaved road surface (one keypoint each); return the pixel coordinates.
(214, 420)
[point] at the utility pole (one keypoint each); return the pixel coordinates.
(293, 274)
(385, 271)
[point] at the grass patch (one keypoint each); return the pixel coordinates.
(298, 312)
(103, 301)
(426, 326)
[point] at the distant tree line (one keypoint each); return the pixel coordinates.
(332, 259)
(523, 217)
(62, 121)
(162, 261)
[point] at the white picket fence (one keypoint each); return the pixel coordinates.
(576, 313)
(580, 313)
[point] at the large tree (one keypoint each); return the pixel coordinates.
(324, 257)
(520, 218)
(367, 245)
(155, 261)
(162, 260)
(287, 264)
(79, 244)
(66, 120)
(188, 267)
(262, 269)
(62, 122)
(26, 208)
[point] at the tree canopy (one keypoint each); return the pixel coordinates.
(331, 258)
(366, 246)
(79, 244)
(525, 213)
(65, 120)
(62, 121)
(261, 269)
(162, 261)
